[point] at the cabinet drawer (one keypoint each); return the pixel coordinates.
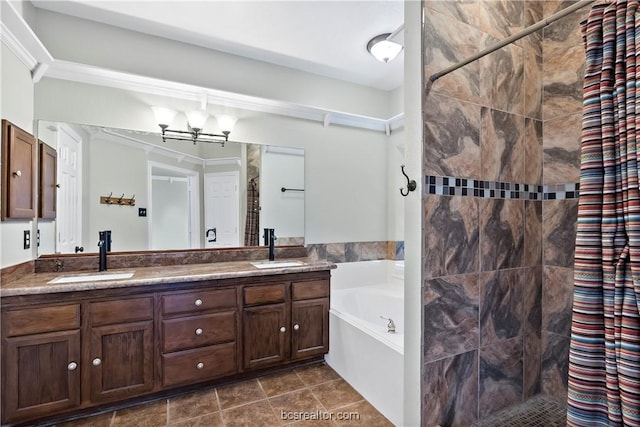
(197, 331)
(202, 364)
(121, 311)
(197, 301)
(266, 294)
(42, 319)
(310, 289)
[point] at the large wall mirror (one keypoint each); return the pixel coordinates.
(156, 195)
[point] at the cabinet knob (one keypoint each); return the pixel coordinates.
(199, 331)
(200, 365)
(198, 302)
(283, 329)
(17, 174)
(296, 327)
(96, 361)
(72, 366)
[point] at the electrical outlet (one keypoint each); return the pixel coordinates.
(26, 243)
(142, 211)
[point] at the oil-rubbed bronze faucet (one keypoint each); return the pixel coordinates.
(269, 240)
(104, 246)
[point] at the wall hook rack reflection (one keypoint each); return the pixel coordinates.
(411, 184)
(122, 201)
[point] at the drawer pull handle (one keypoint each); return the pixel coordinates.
(200, 365)
(97, 361)
(283, 329)
(198, 302)
(199, 331)
(296, 327)
(72, 366)
(17, 174)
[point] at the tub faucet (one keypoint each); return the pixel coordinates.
(391, 327)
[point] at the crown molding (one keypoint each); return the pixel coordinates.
(22, 41)
(88, 74)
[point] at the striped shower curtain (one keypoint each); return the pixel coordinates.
(604, 357)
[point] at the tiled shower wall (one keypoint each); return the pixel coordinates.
(487, 252)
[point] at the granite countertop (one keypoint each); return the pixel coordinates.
(38, 283)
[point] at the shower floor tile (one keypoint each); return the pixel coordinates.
(538, 411)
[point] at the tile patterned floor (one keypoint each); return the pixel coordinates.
(539, 411)
(275, 400)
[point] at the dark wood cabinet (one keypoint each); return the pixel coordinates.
(285, 322)
(18, 173)
(47, 189)
(63, 353)
(121, 348)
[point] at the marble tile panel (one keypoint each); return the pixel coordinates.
(296, 401)
(554, 369)
(501, 18)
(533, 151)
(532, 84)
(451, 137)
(561, 148)
(502, 77)
(502, 146)
(531, 365)
(500, 376)
(501, 234)
(559, 222)
(465, 11)
(532, 233)
(239, 394)
(450, 391)
(257, 414)
(336, 252)
(451, 313)
(501, 305)
(451, 235)
(448, 41)
(564, 61)
(317, 251)
(557, 300)
(532, 15)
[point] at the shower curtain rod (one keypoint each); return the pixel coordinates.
(533, 28)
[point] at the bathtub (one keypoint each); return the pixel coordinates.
(361, 350)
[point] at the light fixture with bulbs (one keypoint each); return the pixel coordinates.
(195, 122)
(383, 48)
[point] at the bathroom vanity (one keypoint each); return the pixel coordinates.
(68, 347)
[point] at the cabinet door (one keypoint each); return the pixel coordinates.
(47, 182)
(310, 328)
(265, 335)
(42, 375)
(122, 360)
(18, 162)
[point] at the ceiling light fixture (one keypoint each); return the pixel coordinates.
(195, 122)
(384, 49)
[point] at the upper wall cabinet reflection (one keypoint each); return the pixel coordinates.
(156, 195)
(18, 174)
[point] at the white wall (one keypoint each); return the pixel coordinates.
(345, 168)
(17, 107)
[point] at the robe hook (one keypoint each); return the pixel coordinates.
(411, 184)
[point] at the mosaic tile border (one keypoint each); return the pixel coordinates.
(452, 186)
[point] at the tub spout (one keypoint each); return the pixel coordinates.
(391, 327)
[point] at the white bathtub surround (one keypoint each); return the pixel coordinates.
(360, 348)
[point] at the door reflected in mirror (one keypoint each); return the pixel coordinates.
(179, 195)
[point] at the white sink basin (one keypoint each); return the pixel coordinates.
(276, 264)
(91, 277)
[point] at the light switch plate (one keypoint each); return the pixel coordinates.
(26, 242)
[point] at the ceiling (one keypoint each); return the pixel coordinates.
(326, 37)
